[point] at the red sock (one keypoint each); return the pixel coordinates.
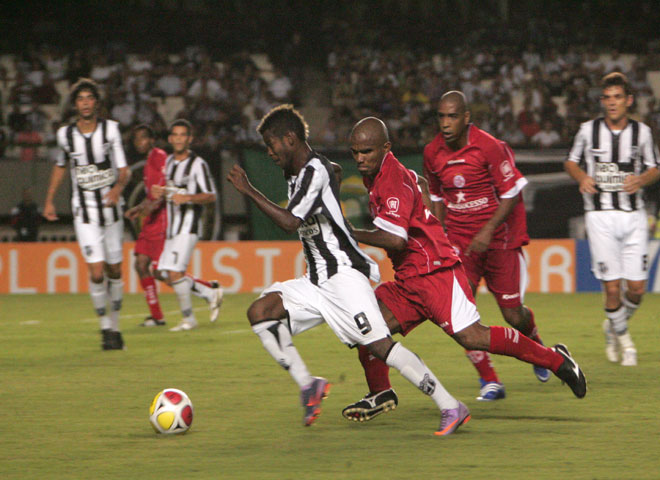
(149, 287)
(531, 331)
(199, 280)
(481, 361)
(376, 371)
(509, 341)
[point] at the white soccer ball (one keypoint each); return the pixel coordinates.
(171, 412)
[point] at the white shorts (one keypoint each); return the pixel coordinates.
(100, 244)
(618, 242)
(177, 252)
(346, 302)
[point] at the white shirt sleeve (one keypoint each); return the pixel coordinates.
(579, 144)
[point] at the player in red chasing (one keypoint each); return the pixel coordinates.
(475, 190)
(150, 242)
(430, 282)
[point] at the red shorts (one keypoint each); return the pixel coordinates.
(444, 297)
(505, 271)
(151, 245)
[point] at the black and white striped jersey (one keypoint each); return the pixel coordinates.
(94, 159)
(188, 176)
(608, 157)
(328, 243)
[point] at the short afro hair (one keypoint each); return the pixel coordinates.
(282, 120)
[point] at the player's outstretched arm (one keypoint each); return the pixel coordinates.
(56, 177)
(281, 216)
(197, 198)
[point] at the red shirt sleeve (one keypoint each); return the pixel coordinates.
(502, 165)
(394, 202)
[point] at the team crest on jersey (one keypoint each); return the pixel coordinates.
(506, 169)
(393, 205)
(459, 181)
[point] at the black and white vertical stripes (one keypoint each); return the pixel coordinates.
(608, 157)
(93, 159)
(327, 241)
(191, 176)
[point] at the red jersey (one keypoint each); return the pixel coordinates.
(397, 207)
(471, 181)
(154, 174)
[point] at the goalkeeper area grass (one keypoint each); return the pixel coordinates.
(72, 411)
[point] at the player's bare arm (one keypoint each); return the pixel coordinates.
(158, 191)
(482, 239)
(423, 185)
(112, 197)
(338, 171)
(633, 183)
(439, 211)
(587, 183)
(56, 177)
(281, 216)
(198, 198)
(145, 207)
(380, 238)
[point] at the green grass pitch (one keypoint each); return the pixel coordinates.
(72, 411)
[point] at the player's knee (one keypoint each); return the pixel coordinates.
(258, 312)
(474, 337)
(636, 289)
(142, 267)
(381, 348)
(113, 270)
(612, 289)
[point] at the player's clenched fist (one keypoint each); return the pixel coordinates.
(239, 180)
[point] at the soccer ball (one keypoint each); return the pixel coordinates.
(171, 412)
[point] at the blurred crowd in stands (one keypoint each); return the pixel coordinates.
(224, 100)
(527, 95)
(529, 98)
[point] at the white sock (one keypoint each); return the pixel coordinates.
(626, 342)
(618, 320)
(99, 297)
(182, 289)
(200, 290)
(116, 293)
(417, 373)
(276, 339)
(631, 307)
